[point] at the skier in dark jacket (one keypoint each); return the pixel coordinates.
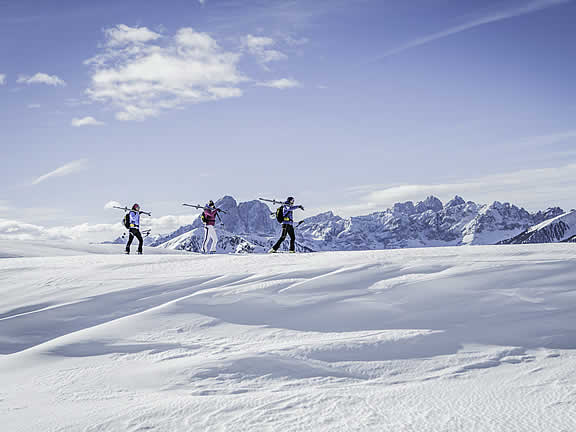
(135, 229)
(287, 225)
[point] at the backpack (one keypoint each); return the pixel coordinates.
(126, 220)
(280, 214)
(203, 217)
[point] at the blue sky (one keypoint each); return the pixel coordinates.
(348, 105)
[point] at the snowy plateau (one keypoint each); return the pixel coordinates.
(478, 338)
(249, 228)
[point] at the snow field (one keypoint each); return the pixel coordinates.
(441, 339)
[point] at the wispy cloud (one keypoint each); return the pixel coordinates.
(41, 78)
(86, 121)
(533, 6)
(261, 47)
(69, 168)
(2, 79)
(283, 83)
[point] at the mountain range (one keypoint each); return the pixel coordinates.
(250, 227)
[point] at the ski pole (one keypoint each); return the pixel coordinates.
(220, 219)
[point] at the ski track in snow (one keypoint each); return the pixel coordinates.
(445, 339)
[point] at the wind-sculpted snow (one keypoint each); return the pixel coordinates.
(437, 339)
(249, 228)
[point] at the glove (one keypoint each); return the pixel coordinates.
(302, 207)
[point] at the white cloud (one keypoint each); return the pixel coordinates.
(17, 230)
(534, 189)
(143, 79)
(69, 168)
(41, 78)
(530, 7)
(112, 204)
(260, 46)
(86, 121)
(2, 79)
(283, 83)
(33, 106)
(125, 35)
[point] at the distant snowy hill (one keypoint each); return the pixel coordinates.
(249, 228)
(558, 229)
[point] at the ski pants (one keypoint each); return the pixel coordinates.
(209, 234)
(135, 232)
(287, 229)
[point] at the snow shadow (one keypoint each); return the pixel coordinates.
(23, 328)
(529, 305)
(98, 348)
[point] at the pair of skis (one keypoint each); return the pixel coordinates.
(275, 202)
(199, 207)
(130, 210)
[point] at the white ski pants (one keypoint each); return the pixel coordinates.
(209, 234)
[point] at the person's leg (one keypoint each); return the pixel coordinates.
(205, 243)
(214, 238)
(292, 238)
(140, 239)
(282, 238)
(130, 239)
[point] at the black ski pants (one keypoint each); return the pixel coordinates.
(287, 229)
(135, 232)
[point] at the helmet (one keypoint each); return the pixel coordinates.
(136, 206)
(290, 199)
(211, 203)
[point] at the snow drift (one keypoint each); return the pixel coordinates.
(451, 339)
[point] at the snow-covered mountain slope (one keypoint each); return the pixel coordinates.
(437, 339)
(249, 228)
(558, 229)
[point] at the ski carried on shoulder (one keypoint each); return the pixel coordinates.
(273, 201)
(130, 210)
(199, 207)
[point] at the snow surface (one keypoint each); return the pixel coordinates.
(443, 339)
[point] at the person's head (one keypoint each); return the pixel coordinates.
(136, 206)
(211, 203)
(290, 200)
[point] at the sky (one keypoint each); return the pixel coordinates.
(348, 105)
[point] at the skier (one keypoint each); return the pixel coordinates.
(209, 219)
(287, 225)
(135, 229)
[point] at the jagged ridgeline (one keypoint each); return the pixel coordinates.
(248, 227)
